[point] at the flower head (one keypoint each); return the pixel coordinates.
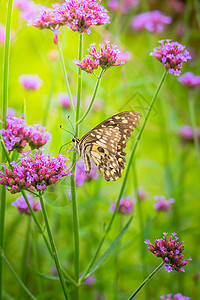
(171, 55)
(162, 204)
(21, 205)
(80, 15)
(63, 98)
(187, 135)
(11, 112)
(141, 194)
(36, 136)
(124, 6)
(87, 64)
(30, 82)
(153, 21)
(125, 206)
(190, 80)
(90, 280)
(34, 171)
(81, 176)
(170, 252)
(178, 296)
(29, 9)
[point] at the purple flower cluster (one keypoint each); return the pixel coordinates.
(187, 135)
(17, 134)
(162, 204)
(178, 296)
(124, 6)
(126, 206)
(33, 172)
(142, 195)
(81, 176)
(190, 80)
(63, 98)
(30, 82)
(21, 205)
(153, 21)
(77, 15)
(170, 252)
(90, 280)
(29, 9)
(171, 55)
(107, 57)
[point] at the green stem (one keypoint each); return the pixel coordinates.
(79, 87)
(53, 247)
(16, 276)
(66, 77)
(194, 127)
(24, 256)
(145, 281)
(125, 179)
(48, 103)
(93, 97)
(4, 111)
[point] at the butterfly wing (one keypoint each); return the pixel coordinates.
(106, 142)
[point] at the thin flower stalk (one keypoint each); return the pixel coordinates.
(125, 178)
(194, 127)
(4, 110)
(2, 255)
(145, 281)
(93, 97)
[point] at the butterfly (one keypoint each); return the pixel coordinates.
(105, 144)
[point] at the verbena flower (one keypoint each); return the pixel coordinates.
(29, 9)
(11, 112)
(30, 82)
(162, 204)
(81, 176)
(21, 205)
(63, 98)
(80, 15)
(171, 55)
(190, 80)
(87, 64)
(126, 206)
(124, 6)
(3, 34)
(178, 296)
(17, 134)
(142, 194)
(170, 252)
(34, 171)
(154, 21)
(90, 280)
(36, 136)
(187, 135)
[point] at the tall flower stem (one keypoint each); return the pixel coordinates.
(93, 97)
(2, 255)
(53, 247)
(146, 280)
(73, 186)
(125, 179)
(4, 111)
(66, 77)
(194, 127)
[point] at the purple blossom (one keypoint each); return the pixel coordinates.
(141, 194)
(87, 64)
(171, 55)
(190, 80)
(36, 136)
(187, 135)
(153, 21)
(178, 296)
(126, 206)
(34, 171)
(170, 252)
(3, 34)
(30, 82)
(80, 15)
(81, 176)
(21, 205)
(124, 56)
(124, 6)
(29, 9)
(90, 280)
(63, 98)
(11, 112)
(162, 204)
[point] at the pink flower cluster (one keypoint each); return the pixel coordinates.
(190, 80)
(21, 205)
(187, 135)
(107, 57)
(17, 134)
(153, 21)
(162, 204)
(30, 82)
(81, 176)
(171, 55)
(78, 15)
(178, 296)
(33, 172)
(29, 9)
(63, 98)
(170, 252)
(125, 206)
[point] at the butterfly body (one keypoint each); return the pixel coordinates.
(105, 144)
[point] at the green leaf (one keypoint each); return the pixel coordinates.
(110, 249)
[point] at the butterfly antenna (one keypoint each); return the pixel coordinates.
(66, 130)
(73, 164)
(71, 124)
(64, 146)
